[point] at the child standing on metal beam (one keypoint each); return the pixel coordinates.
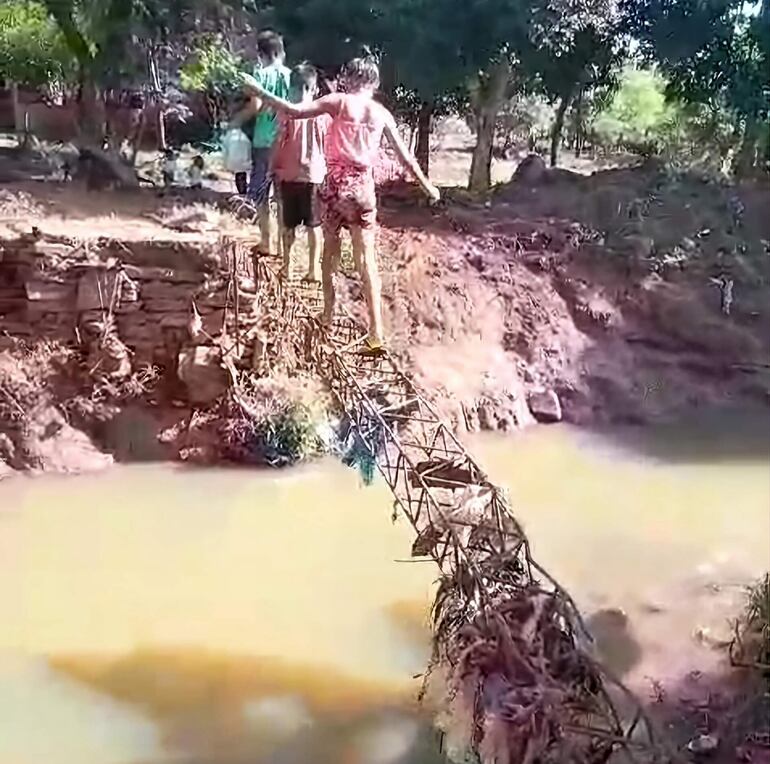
(273, 78)
(358, 123)
(299, 166)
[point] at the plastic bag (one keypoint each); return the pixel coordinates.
(236, 151)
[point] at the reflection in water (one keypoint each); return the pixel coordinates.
(231, 707)
(155, 588)
(44, 717)
(153, 614)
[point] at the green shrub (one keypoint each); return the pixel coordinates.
(271, 423)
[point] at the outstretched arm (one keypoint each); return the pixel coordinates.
(244, 114)
(326, 105)
(407, 159)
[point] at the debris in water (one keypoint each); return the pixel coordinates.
(358, 456)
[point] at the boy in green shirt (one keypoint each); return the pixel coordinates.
(275, 78)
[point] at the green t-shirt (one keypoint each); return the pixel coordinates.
(275, 79)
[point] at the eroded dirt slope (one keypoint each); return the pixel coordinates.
(608, 289)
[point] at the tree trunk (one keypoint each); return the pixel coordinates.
(558, 127)
(424, 125)
(90, 114)
(481, 162)
(487, 102)
(162, 145)
(412, 135)
(747, 157)
(18, 112)
(21, 124)
(136, 142)
(154, 71)
(579, 127)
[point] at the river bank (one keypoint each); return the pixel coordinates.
(125, 321)
(595, 299)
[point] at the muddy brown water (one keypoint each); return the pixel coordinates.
(156, 614)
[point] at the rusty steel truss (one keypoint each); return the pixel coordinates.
(462, 519)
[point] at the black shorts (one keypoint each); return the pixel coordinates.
(301, 204)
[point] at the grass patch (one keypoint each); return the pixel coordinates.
(274, 424)
(751, 644)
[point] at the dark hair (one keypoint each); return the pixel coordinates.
(360, 73)
(270, 44)
(198, 161)
(304, 75)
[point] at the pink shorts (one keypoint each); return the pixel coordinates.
(348, 198)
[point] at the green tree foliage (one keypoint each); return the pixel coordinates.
(213, 68)
(573, 48)
(32, 49)
(213, 71)
(715, 53)
(422, 71)
(490, 49)
(120, 43)
(645, 117)
(639, 114)
(432, 51)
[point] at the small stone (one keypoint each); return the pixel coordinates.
(50, 291)
(486, 418)
(545, 406)
(703, 745)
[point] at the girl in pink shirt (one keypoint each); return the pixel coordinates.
(358, 123)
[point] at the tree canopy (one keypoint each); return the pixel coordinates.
(639, 111)
(32, 49)
(714, 52)
(436, 55)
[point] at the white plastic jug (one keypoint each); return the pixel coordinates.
(236, 151)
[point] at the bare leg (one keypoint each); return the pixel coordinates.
(330, 262)
(289, 236)
(264, 227)
(365, 256)
(281, 227)
(314, 244)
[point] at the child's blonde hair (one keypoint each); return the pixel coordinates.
(360, 73)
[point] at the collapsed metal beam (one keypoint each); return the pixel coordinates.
(462, 521)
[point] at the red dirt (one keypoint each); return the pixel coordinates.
(538, 290)
(597, 287)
